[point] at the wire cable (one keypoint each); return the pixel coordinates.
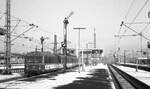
(129, 9)
(138, 13)
(144, 28)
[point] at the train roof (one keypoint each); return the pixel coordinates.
(39, 54)
(45, 54)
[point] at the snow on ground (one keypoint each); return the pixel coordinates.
(52, 81)
(141, 75)
(136, 64)
(2, 77)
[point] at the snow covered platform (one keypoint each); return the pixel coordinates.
(144, 65)
(141, 75)
(94, 77)
(140, 66)
(13, 75)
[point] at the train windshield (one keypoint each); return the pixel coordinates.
(34, 59)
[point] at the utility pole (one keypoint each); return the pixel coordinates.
(133, 54)
(148, 46)
(42, 49)
(141, 44)
(8, 38)
(36, 49)
(124, 56)
(55, 44)
(66, 22)
(42, 40)
(94, 39)
(78, 51)
(82, 61)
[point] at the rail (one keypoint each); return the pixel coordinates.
(137, 84)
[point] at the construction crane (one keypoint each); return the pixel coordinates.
(66, 22)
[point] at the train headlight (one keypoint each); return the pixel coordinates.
(39, 68)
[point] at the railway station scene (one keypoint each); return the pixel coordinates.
(74, 44)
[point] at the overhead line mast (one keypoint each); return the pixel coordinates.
(94, 38)
(8, 38)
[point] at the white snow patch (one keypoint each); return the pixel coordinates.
(2, 77)
(141, 75)
(53, 81)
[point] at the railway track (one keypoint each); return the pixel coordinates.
(24, 77)
(123, 80)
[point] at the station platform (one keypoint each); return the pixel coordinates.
(144, 65)
(141, 75)
(93, 77)
(13, 75)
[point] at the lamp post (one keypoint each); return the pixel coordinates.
(78, 50)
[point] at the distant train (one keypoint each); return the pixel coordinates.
(37, 63)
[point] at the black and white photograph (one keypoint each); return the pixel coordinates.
(74, 44)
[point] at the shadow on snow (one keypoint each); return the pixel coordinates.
(99, 80)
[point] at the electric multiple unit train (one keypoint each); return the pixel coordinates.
(37, 62)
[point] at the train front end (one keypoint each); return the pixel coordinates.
(33, 65)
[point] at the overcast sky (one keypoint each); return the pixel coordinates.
(103, 15)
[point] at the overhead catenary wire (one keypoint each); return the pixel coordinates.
(136, 32)
(129, 9)
(132, 22)
(126, 16)
(138, 13)
(15, 17)
(1, 16)
(19, 20)
(146, 26)
(15, 26)
(137, 23)
(18, 24)
(24, 32)
(43, 30)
